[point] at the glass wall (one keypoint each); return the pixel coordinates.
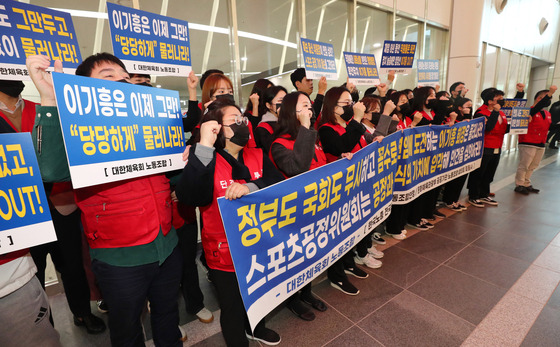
(407, 30)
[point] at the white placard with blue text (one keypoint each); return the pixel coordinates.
(149, 43)
(397, 56)
(34, 30)
(25, 219)
(115, 131)
(428, 72)
(319, 59)
(520, 120)
(361, 68)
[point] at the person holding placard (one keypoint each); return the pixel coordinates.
(531, 145)
(220, 164)
(303, 84)
(127, 223)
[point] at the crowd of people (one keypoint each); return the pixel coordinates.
(142, 232)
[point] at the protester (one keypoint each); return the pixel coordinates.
(272, 99)
(255, 106)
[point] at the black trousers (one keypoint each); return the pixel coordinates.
(66, 254)
(190, 287)
(233, 318)
(397, 219)
(553, 134)
(336, 273)
(363, 245)
(453, 189)
(480, 179)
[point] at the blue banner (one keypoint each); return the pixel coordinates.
(115, 131)
(149, 43)
(319, 59)
(520, 120)
(25, 220)
(361, 68)
(397, 56)
(284, 236)
(429, 156)
(34, 30)
(509, 104)
(428, 72)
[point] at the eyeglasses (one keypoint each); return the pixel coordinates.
(240, 119)
(345, 103)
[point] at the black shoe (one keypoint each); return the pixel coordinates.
(267, 336)
(521, 189)
(530, 189)
(93, 324)
(300, 310)
(356, 272)
(439, 214)
(102, 306)
(346, 287)
(314, 302)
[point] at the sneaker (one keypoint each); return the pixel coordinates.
(376, 237)
(184, 336)
(368, 261)
(346, 287)
(489, 201)
(426, 223)
(300, 310)
(375, 253)
(530, 189)
(463, 207)
(476, 203)
(521, 189)
(419, 226)
(205, 316)
(431, 218)
(404, 232)
(102, 306)
(439, 214)
(356, 272)
(93, 324)
(400, 236)
(267, 336)
(455, 207)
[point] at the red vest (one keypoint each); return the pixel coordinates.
(319, 159)
(27, 121)
(495, 137)
(538, 129)
(428, 117)
(125, 213)
(214, 242)
(340, 130)
(267, 126)
(404, 123)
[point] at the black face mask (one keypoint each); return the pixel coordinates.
(501, 102)
(348, 113)
(546, 102)
(432, 103)
(240, 133)
(225, 97)
(355, 96)
(405, 109)
(12, 88)
(278, 105)
(147, 84)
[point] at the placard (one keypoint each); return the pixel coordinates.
(428, 72)
(520, 117)
(319, 59)
(34, 30)
(509, 104)
(397, 56)
(25, 219)
(115, 131)
(149, 43)
(361, 69)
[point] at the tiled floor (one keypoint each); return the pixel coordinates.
(484, 277)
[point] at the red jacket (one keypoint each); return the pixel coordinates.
(340, 130)
(538, 129)
(495, 137)
(318, 160)
(125, 213)
(214, 241)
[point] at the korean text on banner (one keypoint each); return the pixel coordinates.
(509, 104)
(361, 68)
(25, 220)
(397, 56)
(319, 59)
(520, 120)
(284, 236)
(429, 156)
(149, 43)
(428, 72)
(34, 30)
(114, 131)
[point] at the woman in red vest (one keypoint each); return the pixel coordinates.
(219, 165)
(272, 98)
(295, 150)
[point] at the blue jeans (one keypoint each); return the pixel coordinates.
(125, 289)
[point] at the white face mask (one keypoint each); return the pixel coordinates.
(5, 108)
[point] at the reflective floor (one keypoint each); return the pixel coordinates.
(483, 277)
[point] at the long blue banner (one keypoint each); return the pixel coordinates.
(25, 220)
(35, 30)
(115, 131)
